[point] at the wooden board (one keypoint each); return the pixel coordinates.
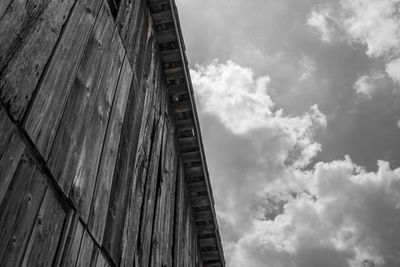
(44, 116)
(30, 48)
(68, 147)
(73, 245)
(95, 130)
(131, 167)
(102, 192)
(46, 232)
(11, 149)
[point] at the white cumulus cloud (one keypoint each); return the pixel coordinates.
(393, 70)
(275, 211)
(321, 19)
(367, 85)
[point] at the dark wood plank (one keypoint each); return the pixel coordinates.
(97, 219)
(11, 149)
(101, 261)
(85, 251)
(20, 77)
(72, 248)
(68, 147)
(95, 130)
(16, 24)
(3, 7)
(131, 167)
(178, 223)
(46, 233)
(44, 116)
(151, 186)
(25, 219)
(13, 200)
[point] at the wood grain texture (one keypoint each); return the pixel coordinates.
(161, 250)
(22, 73)
(46, 111)
(73, 245)
(68, 147)
(25, 218)
(85, 251)
(95, 128)
(46, 232)
(132, 159)
(11, 149)
(16, 24)
(102, 192)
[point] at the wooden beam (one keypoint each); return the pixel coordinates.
(171, 55)
(210, 256)
(206, 242)
(191, 156)
(166, 36)
(162, 17)
(174, 71)
(197, 202)
(203, 215)
(183, 106)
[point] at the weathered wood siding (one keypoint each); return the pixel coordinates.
(90, 171)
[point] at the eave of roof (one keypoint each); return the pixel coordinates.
(175, 66)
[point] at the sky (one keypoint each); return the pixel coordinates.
(299, 106)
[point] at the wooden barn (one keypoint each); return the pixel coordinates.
(101, 155)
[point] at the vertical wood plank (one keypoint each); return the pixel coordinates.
(151, 186)
(95, 129)
(68, 145)
(16, 25)
(46, 233)
(11, 149)
(85, 251)
(99, 208)
(132, 159)
(44, 116)
(3, 7)
(162, 231)
(25, 219)
(20, 77)
(13, 200)
(73, 246)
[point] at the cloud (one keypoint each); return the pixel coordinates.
(273, 208)
(398, 124)
(322, 20)
(307, 67)
(349, 217)
(374, 23)
(393, 70)
(367, 85)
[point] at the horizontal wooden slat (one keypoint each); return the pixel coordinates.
(210, 256)
(176, 90)
(166, 36)
(174, 70)
(170, 55)
(162, 17)
(183, 106)
(191, 156)
(199, 201)
(205, 242)
(203, 215)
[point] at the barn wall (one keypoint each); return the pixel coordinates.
(90, 173)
